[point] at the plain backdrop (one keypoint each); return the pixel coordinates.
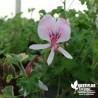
(7, 7)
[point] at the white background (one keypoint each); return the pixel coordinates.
(7, 7)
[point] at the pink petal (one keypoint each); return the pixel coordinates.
(65, 53)
(46, 25)
(63, 27)
(39, 46)
(50, 58)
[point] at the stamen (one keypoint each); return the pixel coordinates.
(54, 37)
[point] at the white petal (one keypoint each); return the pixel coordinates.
(46, 24)
(25, 93)
(50, 58)
(21, 89)
(42, 86)
(65, 53)
(39, 46)
(63, 27)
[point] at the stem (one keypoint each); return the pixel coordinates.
(19, 96)
(37, 92)
(64, 4)
(18, 65)
(61, 1)
(58, 87)
(94, 82)
(31, 15)
(23, 70)
(70, 5)
(94, 62)
(43, 59)
(84, 58)
(94, 65)
(81, 50)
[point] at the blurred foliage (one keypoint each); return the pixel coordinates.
(17, 34)
(8, 92)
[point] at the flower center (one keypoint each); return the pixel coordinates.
(53, 40)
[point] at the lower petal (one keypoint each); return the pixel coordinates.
(39, 46)
(25, 93)
(65, 53)
(50, 58)
(42, 86)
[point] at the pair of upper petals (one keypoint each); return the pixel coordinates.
(48, 24)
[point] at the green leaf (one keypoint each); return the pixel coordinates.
(95, 48)
(10, 60)
(65, 64)
(23, 56)
(9, 78)
(82, 1)
(8, 92)
(83, 73)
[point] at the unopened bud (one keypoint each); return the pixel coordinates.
(29, 66)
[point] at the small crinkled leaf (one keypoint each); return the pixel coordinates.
(10, 60)
(23, 56)
(8, 92)
(17, 58)
(9, 78)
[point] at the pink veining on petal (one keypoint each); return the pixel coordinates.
(54, 38)
(64, 28)
(45, 22)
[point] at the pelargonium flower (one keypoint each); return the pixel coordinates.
(54, 31)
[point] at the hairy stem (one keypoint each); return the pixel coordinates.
(58, 87)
